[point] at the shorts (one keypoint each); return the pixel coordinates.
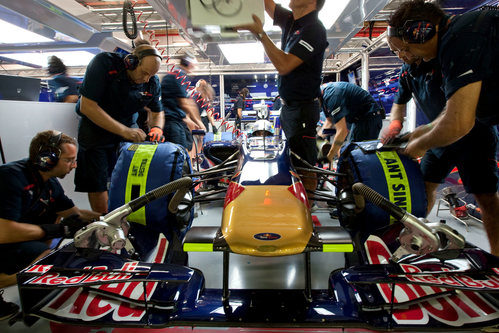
(177, 132)
(299, 123)
(475, 157)
(95, 166)
(367, 129)
(17, 256)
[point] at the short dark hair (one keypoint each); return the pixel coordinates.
(56, 66)
(320, 4)
(244, 92)
(416, 10)
(42, 139)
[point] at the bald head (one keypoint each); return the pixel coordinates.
(149, 64)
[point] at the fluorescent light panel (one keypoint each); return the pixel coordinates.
(14, 34)
(328, 14)
(243, 53)
(69, 58)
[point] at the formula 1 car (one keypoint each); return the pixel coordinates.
(412, 274)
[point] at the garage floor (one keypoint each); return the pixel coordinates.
(264, 273)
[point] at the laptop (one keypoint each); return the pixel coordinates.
(19, 88)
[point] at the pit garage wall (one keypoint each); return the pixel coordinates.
(20, 121)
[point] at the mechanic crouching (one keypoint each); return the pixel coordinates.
(32, 201)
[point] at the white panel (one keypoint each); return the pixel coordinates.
(20, 121)
(225, 13)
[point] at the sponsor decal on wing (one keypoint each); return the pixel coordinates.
(455, 310)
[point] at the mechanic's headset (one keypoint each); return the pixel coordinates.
(414, 32)
(133, 59)
(49, 153)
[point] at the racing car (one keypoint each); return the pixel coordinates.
(413, 274)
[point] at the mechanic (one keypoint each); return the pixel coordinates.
(471, 154)
(204, 97)
(32, 200)
(181, 112)
(114, 89)
(239, 106)
(299, 65)
(466, 48)
(65, 87)
(352, 111)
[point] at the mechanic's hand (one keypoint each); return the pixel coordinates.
(67, 228)
(391, 131)
(134, 135)
(255, 27)
(215, 131)
(414, 149)
(71, 224)
(156, 134)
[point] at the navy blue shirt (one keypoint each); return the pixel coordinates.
(239, 104)
(106, 82)
(63, 86)
(305, 38)
(174, 86)
(347, 100)
(468, 52)
(26, 198)
(423, 82)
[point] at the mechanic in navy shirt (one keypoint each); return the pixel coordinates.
(237, 109)
(299, 64)
(181, 112)
(353, 111)
(423, 80)
(64, 87)
(467, 49)
(31, 201)
(114, 89)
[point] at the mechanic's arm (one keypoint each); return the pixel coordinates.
(191, 109)
(397, 115)
(156, 119)
(71, 99)
(14, 232)
(339, 138)
(282, 61)
(97, 115)
(453, 123)
(240, 113)
(270, 7)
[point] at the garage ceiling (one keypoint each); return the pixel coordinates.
(95, 26)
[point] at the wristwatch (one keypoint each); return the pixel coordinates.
(260, 35)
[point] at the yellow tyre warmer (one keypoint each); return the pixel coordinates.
(396, 177)
(141, 168)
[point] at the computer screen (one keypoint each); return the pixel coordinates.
(19, 88)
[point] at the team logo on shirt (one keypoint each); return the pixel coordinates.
(306, 45)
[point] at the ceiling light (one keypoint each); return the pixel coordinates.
(243, 53)
(69, 58)
(17, 35)
(328, 14)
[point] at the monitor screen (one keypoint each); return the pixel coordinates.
(19, 88)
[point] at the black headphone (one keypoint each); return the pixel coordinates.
(414, 32)
(132, 60)
(49, 153)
